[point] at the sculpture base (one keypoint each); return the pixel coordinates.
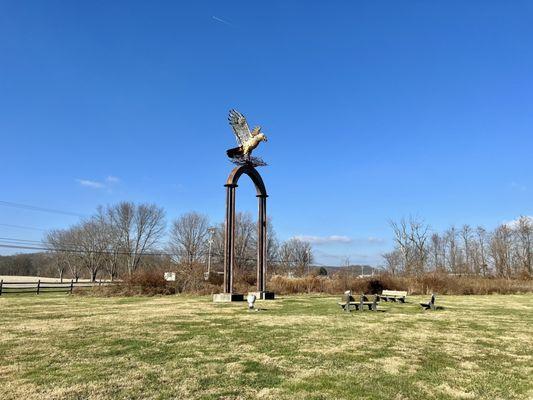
(263, 295)
(227, 297)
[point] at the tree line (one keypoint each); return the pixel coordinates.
(122, 238)
(506, 251)
(119, 239)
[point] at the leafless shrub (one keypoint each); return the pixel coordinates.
(141, 283)
(422, 284)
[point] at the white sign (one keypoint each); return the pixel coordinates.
(170, 276)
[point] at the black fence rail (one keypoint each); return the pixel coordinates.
(41, 287)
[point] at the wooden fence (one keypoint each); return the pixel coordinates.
(40, 287)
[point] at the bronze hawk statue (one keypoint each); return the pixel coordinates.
(246, 139)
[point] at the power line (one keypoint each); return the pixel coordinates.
(35, 208)
(29, 246)
(38, 243)
(11, 246)
(65, 247)
(23, 227)
(19, 240)
(73, 250)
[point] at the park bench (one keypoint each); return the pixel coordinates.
(393, 295)
(430, 305)
(348, 303)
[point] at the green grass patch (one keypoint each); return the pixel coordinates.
(297, 347)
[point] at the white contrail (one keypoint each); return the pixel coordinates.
(221, 20)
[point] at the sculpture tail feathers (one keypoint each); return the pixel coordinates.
(236, 151)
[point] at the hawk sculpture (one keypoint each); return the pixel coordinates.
(247, 140)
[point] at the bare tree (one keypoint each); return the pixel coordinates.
(301, 253)
(481, 264)
(115, 251)
(524, 233)
(140, 226)
(393, 261)
(246, 244)
(272, 244)
(91, 244)
(507, 251)
(403, 243)
(437, 252)
(217, 247)
(500, 250)
(245, 241)
(418, 237)
(411, 237)
(285, 257)
(466, 235)
(450, 236)
(53, 242)
(188, 238)
(61, 243)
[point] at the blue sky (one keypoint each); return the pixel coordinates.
(373, 110)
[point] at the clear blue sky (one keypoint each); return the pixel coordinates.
(374, 111)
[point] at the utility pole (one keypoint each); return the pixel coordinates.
(308, 262)
(210, 241)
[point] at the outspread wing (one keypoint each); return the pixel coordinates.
(240, 127)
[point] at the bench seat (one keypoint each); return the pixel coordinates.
(430, 305)
(393, 295)
(352, 305)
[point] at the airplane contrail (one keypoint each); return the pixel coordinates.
(221, 20)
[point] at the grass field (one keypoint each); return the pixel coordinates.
(73, 347)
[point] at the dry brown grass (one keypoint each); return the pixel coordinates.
(425, 284)
(298, 347)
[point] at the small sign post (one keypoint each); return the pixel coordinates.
(170, 276)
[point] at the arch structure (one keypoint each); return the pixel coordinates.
(229, 242)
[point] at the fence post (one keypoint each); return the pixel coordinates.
(71, 285)
(38, 286)
(1, 284)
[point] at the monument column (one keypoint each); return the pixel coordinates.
(229, 245)
(229, 242)
(262, 242)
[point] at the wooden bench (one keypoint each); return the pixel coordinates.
(393, 295)
(349, 304)
(430, 305)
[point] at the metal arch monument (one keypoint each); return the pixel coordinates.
(246, 164)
